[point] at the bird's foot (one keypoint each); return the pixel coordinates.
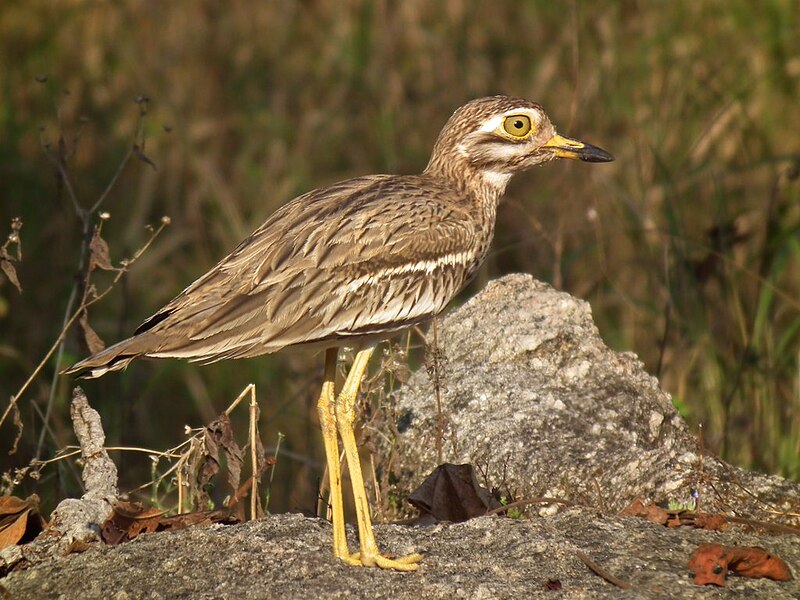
(402, 563)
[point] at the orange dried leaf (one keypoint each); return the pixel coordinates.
(13, 529)
(674, 521)
(757, 562)
(19, 520)
(654, 514)
(710, 522)
(11, 505)
(711, 562)
(634, 509)
(77, 546)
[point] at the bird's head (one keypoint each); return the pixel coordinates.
(497, 136)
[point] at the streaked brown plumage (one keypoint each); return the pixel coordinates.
(354, 262)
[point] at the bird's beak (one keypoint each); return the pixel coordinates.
(563, 147)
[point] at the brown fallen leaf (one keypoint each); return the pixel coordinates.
(452, 493)
(710, 564)
(128, 520)
(20, 521)
(131, 519)
(651, 512)
(707, 521)
(553, 585)
(669, 518)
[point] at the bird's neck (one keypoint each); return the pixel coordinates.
(481, 188)
(485, 185)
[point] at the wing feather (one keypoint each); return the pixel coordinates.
(369, 255)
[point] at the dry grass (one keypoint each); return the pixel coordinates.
(686, 246)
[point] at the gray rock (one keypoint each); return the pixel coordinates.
(533, 397)
(289, 556)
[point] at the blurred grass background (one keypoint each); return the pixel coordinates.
(687, 247)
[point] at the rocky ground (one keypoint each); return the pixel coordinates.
(287, 556)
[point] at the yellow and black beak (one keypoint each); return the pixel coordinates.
(563, 147)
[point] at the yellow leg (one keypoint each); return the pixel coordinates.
(327, 422)
(369, 555)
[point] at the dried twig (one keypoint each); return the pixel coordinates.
(81, 290)
(254, 413)
(58, 344)
(526, 501)
(433, 365)
(775, 527)
(598, 570)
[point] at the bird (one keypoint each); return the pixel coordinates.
(350, 265)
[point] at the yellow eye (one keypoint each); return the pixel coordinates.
(517, 126)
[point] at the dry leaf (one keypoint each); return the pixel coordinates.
(13, 529)
(222, 433)
(206, 463)
(99, 255)
(710, 522)
(661, 516)
(200, 469)
(19, 520)
(7, 266)
(130, 519)
(654, 514)
(93, 341)
(452, 493)
(710, 564)
(6, 259)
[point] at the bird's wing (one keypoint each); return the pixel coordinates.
(365, 256)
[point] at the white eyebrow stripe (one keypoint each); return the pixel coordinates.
(492, 124)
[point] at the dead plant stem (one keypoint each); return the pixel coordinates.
(253, 453)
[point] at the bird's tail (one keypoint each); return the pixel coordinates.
(113, 358)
